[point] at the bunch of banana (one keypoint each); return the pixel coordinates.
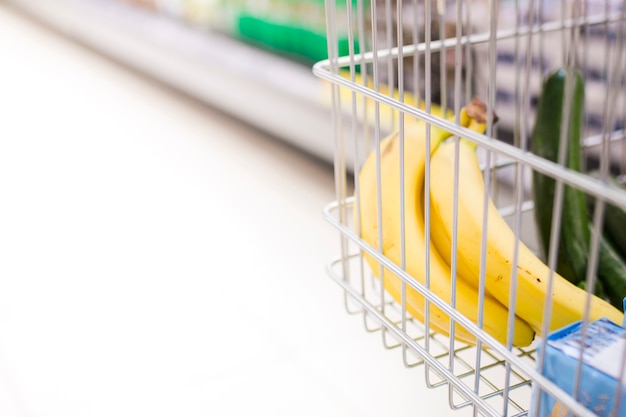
(567, 300)
(410, 234)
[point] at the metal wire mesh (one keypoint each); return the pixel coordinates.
(407, 58)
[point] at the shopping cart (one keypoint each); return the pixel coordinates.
(418, 60)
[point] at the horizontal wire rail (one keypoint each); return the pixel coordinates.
(473, 39)
(600, 189)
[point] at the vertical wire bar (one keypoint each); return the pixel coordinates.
(427, 102)
(332, 54)
(584, 56)
(352, 69)
(522, 125)
(370, 142)
(622, 122)
(366, 123)
(517, 77)
(453, 259)
(598, 215)
(492, 87)
(390, 72)
(417, 93)
(355, 139)
(607, 56)
(459, 100)
(617, 81)
(376, 82)
(453, 255)
(443, 97)
(561, 160)
(469, 77)
(534, 406)
(493, 91)
(614, 81)
(554, 242)
(493, 28)
(622, 143)
(339, 157)
(469, 57)
(557, 210)
(363, 68)
(377, 140)
(539, 36)
(416, 56)
(400, 42)
(443, 88)
(388, 36)
(482, 270)
(563, 32)
(400, 37)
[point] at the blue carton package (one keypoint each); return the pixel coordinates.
(602, 369)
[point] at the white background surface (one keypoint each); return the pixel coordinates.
(160, 259)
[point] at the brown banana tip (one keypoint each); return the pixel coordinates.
(477, 110)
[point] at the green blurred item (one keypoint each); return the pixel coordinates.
(294, 28)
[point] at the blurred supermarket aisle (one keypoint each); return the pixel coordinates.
(160, 259)
(276, 93)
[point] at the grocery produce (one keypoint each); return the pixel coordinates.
(612, 252)
(392, 229)
(612, 273)
(614, 226)
(574, 238)
(574, 234)
(567, 300)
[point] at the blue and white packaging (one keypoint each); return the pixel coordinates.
(603, 367)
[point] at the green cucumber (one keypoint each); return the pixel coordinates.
(612, 273)
(614, 226)
(612, 261)
(574, 235)
(574, 238)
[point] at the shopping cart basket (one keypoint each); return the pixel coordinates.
(417, 61)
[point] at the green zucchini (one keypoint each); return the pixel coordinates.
(574, 235)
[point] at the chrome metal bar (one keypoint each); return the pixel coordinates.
(477, 39)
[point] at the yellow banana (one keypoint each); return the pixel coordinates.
(495, 314)
(568, 301)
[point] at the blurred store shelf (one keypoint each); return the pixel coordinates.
(273, 93)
